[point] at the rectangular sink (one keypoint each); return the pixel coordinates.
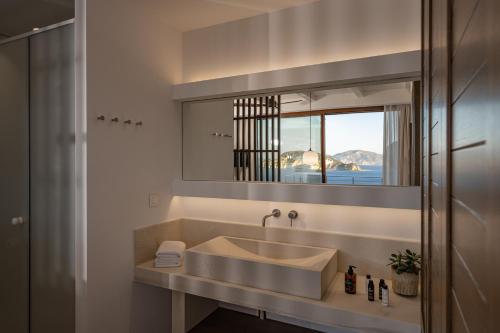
(298, 270)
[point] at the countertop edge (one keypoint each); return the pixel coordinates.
(316, 311)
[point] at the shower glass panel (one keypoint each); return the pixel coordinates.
(37, 182)
(14, 210)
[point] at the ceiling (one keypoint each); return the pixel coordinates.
(20, 16)
(194, 14)
(186, 15)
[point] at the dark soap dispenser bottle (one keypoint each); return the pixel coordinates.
(380, 285)
(350, 280)
(371, 291)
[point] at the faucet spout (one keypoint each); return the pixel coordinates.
(265, 218)
(274, 213)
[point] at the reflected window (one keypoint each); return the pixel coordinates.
(359, 136)
(345, 136)
(354, 148)
(295, 132)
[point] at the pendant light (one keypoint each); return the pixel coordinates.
(310, 157)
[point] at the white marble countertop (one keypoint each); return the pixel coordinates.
(335, 309)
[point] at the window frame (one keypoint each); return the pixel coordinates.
(322, 114)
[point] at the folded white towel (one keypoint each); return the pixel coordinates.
(167, 262)
(170, 256)
(175, 248)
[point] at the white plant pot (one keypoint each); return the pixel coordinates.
(405, 284)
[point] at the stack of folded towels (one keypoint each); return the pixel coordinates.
(170, 254)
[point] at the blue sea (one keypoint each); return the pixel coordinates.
(369, 175)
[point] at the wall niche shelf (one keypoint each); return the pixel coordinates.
(367, 196)
(403, 66)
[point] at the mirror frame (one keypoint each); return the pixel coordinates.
(380, 69)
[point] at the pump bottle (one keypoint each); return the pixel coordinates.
(371, 291)
(350, 280)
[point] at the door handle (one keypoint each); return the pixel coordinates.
(17, 220)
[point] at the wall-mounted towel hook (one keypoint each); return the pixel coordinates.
(101, 117)
(115, 119)
(128, 122)
(138, 123)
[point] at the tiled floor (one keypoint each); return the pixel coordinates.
(223, 320)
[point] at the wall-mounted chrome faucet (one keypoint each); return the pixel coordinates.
(274, 213)
(292, 215)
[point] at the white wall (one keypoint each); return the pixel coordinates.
(133, 56)
(132, 59)
(369, 221)
(322, 31)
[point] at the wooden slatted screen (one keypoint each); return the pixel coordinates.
(257, 139)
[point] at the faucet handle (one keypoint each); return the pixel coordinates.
(292, 215)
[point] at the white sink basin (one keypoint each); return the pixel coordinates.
(282, 267)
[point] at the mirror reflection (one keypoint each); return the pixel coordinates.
(363, 135)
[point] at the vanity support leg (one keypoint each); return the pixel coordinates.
(178, 312)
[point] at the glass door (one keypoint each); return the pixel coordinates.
(14, 229)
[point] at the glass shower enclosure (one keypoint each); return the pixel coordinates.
(37, 182)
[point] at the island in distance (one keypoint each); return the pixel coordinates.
(351, 160)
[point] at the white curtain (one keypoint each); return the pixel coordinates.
(397, 144)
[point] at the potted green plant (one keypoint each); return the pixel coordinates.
(405, 272)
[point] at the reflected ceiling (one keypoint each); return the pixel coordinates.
(370, 95)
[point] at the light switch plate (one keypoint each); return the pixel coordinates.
(154, 200)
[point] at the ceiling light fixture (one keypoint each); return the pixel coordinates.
(310, 157)
(36, 29)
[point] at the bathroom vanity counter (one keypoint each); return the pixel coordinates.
(336, 308)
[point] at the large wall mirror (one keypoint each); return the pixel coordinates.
(362, 135)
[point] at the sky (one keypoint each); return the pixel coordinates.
(356, 131)
(362, 131)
